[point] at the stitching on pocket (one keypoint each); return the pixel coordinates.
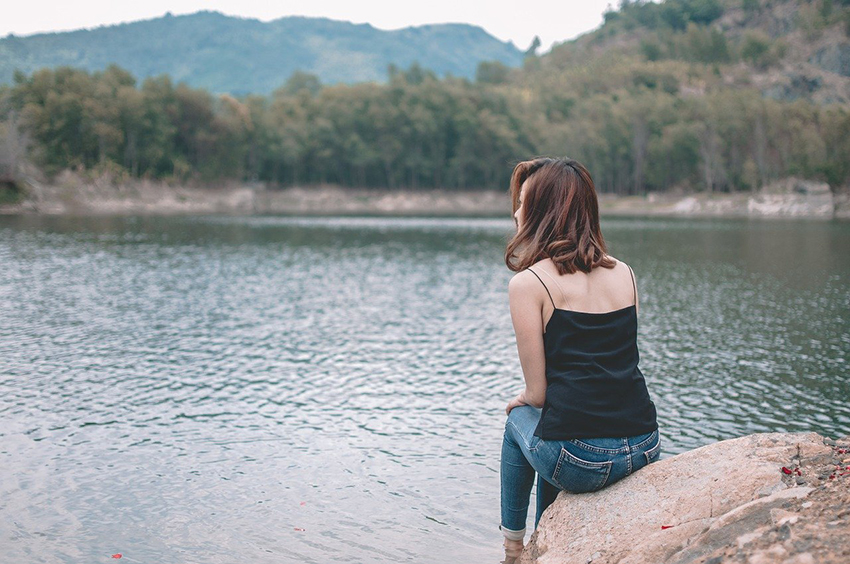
(647, 440)
(650, 453)
(601, 471)
(567, 457)
(585, 463)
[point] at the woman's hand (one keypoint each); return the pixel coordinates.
(516, 402)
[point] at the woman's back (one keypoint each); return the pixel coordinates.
(599, 291)
(594, 386)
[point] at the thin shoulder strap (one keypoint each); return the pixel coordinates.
(544, 285)
(634, 285)
(560, 289)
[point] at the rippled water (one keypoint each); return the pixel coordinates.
(268, 389)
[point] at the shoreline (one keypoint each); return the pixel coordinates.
(71, 196)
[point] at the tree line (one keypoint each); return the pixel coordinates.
(640, 123)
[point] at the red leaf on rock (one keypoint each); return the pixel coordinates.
(785, 470)
(665, 527)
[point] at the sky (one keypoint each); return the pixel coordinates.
(553, 21)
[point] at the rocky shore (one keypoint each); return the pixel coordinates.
(69, 194)
(761, 499)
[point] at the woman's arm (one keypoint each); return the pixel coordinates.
(526, 304)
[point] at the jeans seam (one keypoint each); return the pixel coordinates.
(558, 465)
(646, 440)
(597, 450)
(652, 450)
(528, 446)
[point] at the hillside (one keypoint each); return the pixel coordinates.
(222, 53)
(787, 49)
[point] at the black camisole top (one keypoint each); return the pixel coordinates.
(594, 387)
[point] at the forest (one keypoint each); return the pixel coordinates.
(678, 113)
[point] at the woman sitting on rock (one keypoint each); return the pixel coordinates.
(584, 419)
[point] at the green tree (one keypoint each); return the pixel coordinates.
(492, 72)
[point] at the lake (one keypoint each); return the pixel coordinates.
(315, 390)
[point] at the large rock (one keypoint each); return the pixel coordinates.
(680, 509)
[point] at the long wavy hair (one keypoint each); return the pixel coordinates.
(559, 218)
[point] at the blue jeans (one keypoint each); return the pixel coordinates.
(572, 465)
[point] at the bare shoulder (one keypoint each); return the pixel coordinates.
(630, 276)
(615, 259)
(525, 293)
(619, 264)
(521, 281)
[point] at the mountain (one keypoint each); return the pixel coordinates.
(223, 53)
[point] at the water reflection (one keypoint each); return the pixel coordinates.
(277, 389)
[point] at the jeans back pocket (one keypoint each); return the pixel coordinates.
(577, 475)
(653, 453)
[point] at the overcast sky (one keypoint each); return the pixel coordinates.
(553, 20)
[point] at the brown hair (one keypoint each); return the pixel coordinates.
(560, 217)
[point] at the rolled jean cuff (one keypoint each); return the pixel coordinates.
(513, 535)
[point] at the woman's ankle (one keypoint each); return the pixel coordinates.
(513, 549)
(513, 543)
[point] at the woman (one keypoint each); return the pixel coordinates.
(584, 419)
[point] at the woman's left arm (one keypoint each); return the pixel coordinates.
(527, 315)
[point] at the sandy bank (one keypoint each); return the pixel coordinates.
(70, 195)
